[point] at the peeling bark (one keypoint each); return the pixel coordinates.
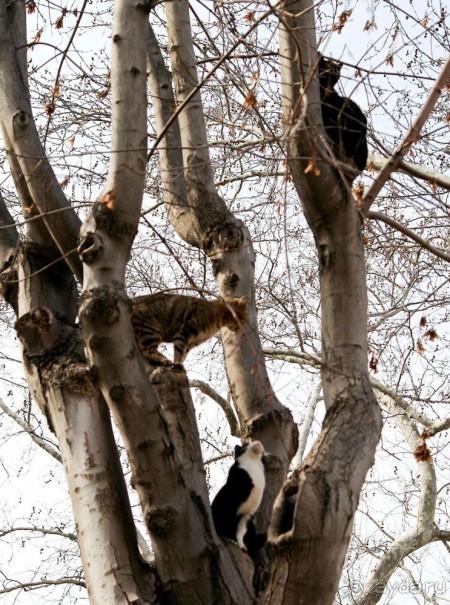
(42, 291)
(62, 384)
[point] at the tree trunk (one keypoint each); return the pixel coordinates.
(313, 515)
(159, 433)
(227, 242)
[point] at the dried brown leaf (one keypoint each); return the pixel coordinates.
(342, 20)
(104, 93)
(49, 108)
(358, 192)
(250, 100)
(422, 453)
(370, 25)
(37, 35)
(431, 334)
(63, 184)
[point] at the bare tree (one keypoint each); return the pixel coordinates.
(82, 374)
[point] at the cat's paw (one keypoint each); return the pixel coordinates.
(156, 375)
(235, 543)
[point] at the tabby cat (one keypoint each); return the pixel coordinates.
(186, 321)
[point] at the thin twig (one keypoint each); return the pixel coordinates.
(378, 216)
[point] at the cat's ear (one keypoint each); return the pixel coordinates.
(238, 450)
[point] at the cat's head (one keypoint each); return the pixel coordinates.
(252, 451)
(329, 73)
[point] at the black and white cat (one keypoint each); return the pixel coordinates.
(238, 500)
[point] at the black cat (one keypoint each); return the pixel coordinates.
(344, 122)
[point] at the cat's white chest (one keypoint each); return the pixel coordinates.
(255, 470)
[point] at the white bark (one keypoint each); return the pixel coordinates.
(426, 530)
(422, 172)
(61, 383)
(107, 537)
(418, 536)
(157, 422)
(228, 244)
(306, 425)
(21, 133)
(56, 370)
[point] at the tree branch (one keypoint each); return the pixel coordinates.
(301, 358)
(42, 443)
(41, 583)
(41, 530)
(223, 403)
(228, 243)
(421, 172)
(308, 418)
(416, 537)
(409, 139)
(18, 123)
(396, 225)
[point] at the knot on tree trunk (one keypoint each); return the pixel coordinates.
(227, 236)
(45, 335)
(79, 379)
(54, 352)
(160, 520)
(282, 417)
(106, 219)
(101, 305)
(90, 248)
(21, 119)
